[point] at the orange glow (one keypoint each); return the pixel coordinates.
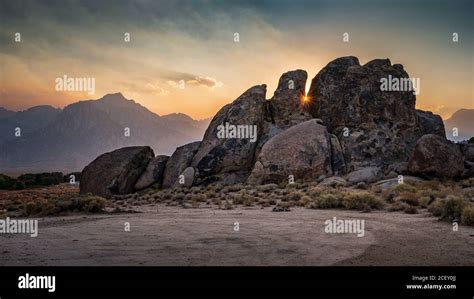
(305, 99)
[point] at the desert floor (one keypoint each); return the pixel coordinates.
(174, 236)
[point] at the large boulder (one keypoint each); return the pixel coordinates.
(220, 155)
(430, 123)
(303, 151)
(186, 178)
(178, 162)
(115, 172)
(153, 174)
(367, 174)
(434, 156)
(374, 127)
(288, 106)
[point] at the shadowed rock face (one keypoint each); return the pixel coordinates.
(153, 174)
(382, 126)
(286, 108)
(287, 105)
(219, 156)
(178, 162)
(303, 151)
(434, 156)
(115, 172)
(430, 123)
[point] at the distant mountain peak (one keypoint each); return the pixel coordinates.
(178, 116)
(114, 96)
(463, 121)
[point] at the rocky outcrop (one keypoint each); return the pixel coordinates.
(430, 123)
(221, 154)
(178, 162)
(347, 125)
(434, 156)
(288, 106)
(374, 127)
(115, 172)
(153, 174)
(303, 151)
(367, 175)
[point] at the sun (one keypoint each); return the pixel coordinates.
(305, 99)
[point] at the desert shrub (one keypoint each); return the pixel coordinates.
(55, 206)
(399, 188)
(424, 201)
(272, 201)
(195, 190)
(408, 198)
(430, 185)
(199, 197)
(410, 209)
(468, 192)
(217, 187)
(249, 201)
(211, 194)
(294, 196)
(397, 206)
(91, 204)
(362, 201)
(241, 197)
(305, 199)
(267, 188)
(467, 183)
(235, 188)
(228, 205)
(314, 192)
(453, 207)
(467, 215)
(178, 196)
(436, 208)
(329, 201)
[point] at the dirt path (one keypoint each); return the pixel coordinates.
(164, 235)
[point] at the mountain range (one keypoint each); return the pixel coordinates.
(463, 120)
(67, 139)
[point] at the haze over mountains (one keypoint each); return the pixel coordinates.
(68, 139)
(463, 120)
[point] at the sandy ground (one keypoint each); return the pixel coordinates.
(174, 236)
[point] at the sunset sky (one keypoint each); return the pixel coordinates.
(194, 41)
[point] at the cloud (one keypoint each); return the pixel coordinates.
(209, 82)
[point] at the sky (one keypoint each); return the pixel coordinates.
(194, 42)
